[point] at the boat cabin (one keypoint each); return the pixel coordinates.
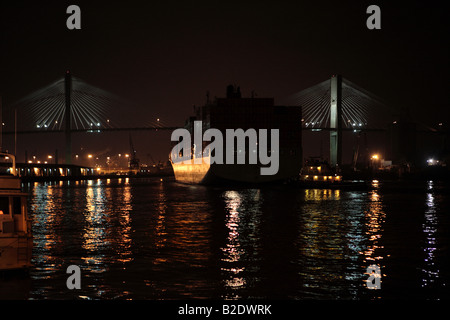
(13, 207)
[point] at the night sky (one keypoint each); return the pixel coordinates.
(165, 55)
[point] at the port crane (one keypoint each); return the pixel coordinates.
(133, 162)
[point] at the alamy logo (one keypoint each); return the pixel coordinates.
(374, 280)
(374, 20)
(258, 147)
(74, 20)
(74, 280)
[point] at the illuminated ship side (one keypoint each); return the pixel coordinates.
(235, 112)
(15, 227)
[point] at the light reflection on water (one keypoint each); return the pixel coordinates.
(152, 239)
(430, 270)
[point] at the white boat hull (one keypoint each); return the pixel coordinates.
(15, 252)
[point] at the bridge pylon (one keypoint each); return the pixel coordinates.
(68, 118)
(336, 121)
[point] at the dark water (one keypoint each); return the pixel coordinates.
(152, 239)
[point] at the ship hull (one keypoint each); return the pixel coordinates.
(206, 173)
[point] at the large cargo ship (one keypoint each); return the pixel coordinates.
(235, 112)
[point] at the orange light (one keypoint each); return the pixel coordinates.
(375, 157)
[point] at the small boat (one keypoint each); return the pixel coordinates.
(319, 172)
(16, 240)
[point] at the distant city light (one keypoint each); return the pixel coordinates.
(432, 162)
(89, 156)
(375, 157)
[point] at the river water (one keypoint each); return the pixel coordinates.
(157, 239)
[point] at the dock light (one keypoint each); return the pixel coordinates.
(375, 157)
(315, 177)
(89, 156)
(49, 156)
(29, 161)
(127, 155)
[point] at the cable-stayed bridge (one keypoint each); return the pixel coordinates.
(91, 109)
(360, 109)
(71, 105)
